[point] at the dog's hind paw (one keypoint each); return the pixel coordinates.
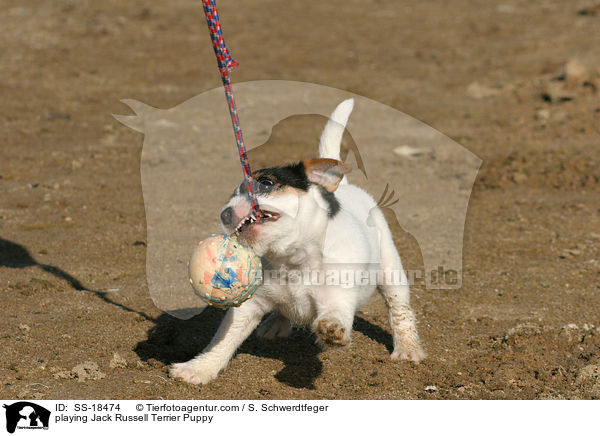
(275, 326)
(331, 332)
(193, 372)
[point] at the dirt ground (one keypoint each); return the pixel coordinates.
(516, 82)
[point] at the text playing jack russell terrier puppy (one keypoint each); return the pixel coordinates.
(312, 221)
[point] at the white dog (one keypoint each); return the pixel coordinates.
(313, 224)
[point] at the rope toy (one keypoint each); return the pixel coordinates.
(226, 64)
(222, 271)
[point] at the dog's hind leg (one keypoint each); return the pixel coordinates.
(395, 290)
(335, 315)
(274, 326)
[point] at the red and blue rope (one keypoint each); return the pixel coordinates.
(226, 64)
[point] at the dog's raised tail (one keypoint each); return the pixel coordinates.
(331, 138)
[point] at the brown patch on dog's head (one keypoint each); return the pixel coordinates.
(327, 173)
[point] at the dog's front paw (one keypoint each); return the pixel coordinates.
(193, 372)
(275, 326)
(331, 332)
(409, 351)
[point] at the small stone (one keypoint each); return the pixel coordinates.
(431, 389)
(575, 73)
(571, 332)
(88, 370)
(523, 330)
(24, 327)
(589, 371)
(519, 178)
(108, 128)
(29, 394)
(542, 114)
(478, 91)
(117, 361)
(588, 380)
(409, 152)
(555, 92)
(62, 374)
(570, 252)
(506, 9)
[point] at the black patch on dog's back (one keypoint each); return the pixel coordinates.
(333, 205)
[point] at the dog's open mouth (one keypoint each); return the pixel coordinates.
(264, 217)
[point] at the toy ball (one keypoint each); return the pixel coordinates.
(223, 272)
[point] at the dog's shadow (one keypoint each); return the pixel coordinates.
(13, 255)
(175, 340)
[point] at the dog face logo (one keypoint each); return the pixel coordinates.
(189, 166)
(26, 415)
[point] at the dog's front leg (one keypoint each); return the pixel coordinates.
(237, 325)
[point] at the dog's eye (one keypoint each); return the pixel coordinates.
(266, 182)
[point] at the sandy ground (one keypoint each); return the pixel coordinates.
(515, 82)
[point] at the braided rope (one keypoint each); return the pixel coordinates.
(226, 64)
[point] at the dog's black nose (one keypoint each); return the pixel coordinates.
(226, 216)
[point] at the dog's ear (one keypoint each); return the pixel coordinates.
(326, 172)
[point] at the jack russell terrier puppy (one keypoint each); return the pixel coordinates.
(313, 222)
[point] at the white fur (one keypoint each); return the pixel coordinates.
(304, 238)
(331, 138)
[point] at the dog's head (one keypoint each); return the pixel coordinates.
(296, 201)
